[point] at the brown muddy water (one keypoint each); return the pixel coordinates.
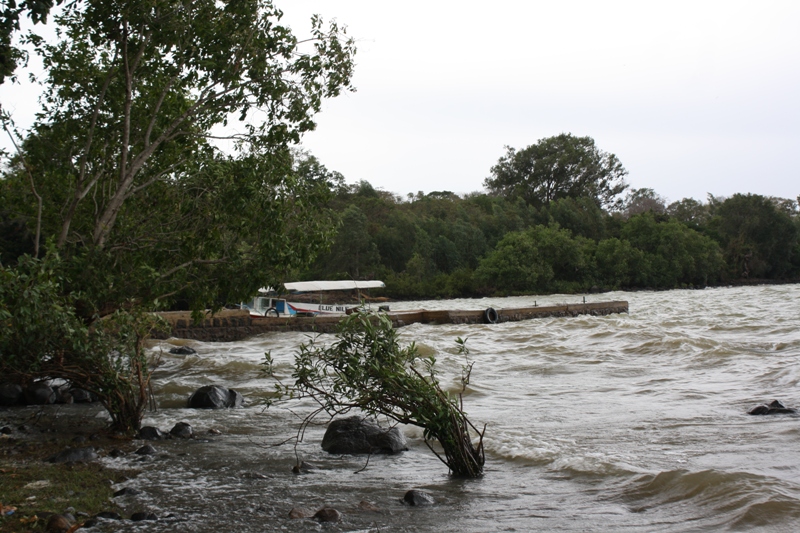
(634, 422)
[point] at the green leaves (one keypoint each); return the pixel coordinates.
(367, 369)
(563, 166)
(132, 188)
(42, 337)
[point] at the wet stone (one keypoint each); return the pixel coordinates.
(147, 449)
(773, 408)
(182, 350)
(215, 397)
(141, 515)
(328, 514)
(182, 430)
(359, 435)
(152, 433)
(418, 498)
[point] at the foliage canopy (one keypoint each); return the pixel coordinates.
(122, 173)
(563, 166)
(121, 158)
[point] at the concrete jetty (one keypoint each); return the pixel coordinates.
(236, 324)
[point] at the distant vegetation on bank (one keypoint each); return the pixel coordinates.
(547, 231)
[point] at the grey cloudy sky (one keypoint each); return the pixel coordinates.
(694, 97)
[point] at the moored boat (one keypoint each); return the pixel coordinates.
(270, 303)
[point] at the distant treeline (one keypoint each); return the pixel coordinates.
(441, 245)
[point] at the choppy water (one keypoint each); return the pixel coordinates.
(633, 422)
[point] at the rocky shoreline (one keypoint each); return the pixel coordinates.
(39, 444)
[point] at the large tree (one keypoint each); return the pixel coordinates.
(563, 166)
(121, 176)
(122, 156)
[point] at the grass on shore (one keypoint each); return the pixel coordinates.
(33, 491)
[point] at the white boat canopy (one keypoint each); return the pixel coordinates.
(316, 286)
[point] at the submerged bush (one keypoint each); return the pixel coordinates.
(42, 338)
(368, 370)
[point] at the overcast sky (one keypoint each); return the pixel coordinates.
(693, 97)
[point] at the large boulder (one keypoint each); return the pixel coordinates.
(11, 394)
(215, 397)
(356, 434)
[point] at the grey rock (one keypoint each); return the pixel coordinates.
(417, 498)
(182, 430)
(152, 433)
(215, 397)
(147, 449)
(328, 514)
(773, 408)
(356, 435)
(182, 350)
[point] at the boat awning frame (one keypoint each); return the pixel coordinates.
(319, 286)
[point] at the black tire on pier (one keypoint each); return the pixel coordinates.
(272, 312)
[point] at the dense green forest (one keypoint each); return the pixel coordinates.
(549, 234)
